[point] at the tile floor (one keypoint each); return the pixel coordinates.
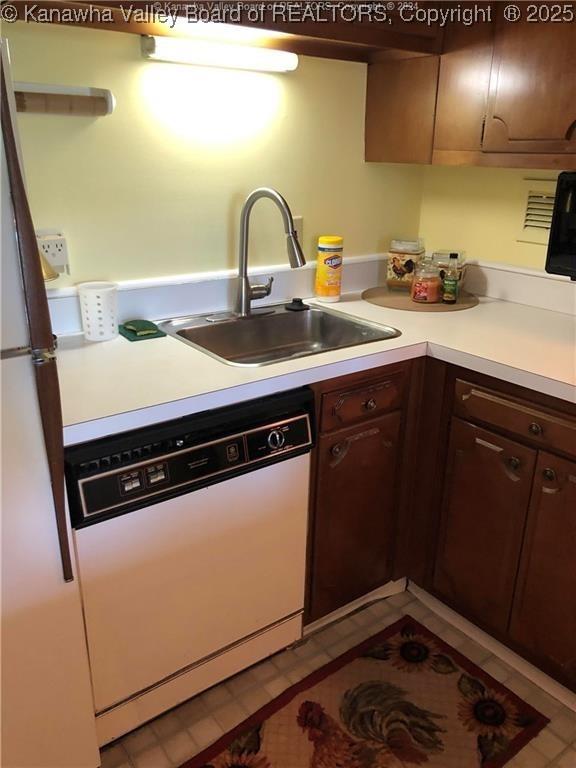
(184, 731)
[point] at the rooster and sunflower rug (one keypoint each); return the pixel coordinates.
(402, 698)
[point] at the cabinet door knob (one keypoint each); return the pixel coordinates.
(514, 462)
(535, 429)
(337, 449)
(371, 404)
(549, 475)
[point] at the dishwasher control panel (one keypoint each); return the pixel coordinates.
(102, 486)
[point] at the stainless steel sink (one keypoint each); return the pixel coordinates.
(274, 334)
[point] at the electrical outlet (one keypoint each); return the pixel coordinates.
(53, 246)
(299, 227)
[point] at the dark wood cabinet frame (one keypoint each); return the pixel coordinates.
(455, 110)
(427, 411)
(421, 529)
(407, 379)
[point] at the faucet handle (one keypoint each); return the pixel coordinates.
(260, 290)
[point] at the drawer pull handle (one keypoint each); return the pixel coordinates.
(344, 397)
(535, 429)
(514, 463)
(550, 477)
(486, 444)
(336, 407)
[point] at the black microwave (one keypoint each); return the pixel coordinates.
(561, 257)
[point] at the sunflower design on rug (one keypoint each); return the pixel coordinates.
(380, 729)
(411, 652)
(492, 714)
(400, 699)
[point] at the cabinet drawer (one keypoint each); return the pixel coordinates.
(520, 418)
(345, 407)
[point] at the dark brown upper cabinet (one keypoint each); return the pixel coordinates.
(464, 79)
(504, 95)
(400, 106)
(532, 98)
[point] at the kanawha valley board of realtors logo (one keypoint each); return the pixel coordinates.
(333, 261)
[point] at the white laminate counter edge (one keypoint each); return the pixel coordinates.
(122, 422)
(507, 373)
(117, 386)
(217, 398)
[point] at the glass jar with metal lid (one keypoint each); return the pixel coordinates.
(427, 283)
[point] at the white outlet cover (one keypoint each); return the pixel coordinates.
(53, 245)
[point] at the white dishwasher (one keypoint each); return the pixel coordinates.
(191, 545)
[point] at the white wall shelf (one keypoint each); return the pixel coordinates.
(76, 101)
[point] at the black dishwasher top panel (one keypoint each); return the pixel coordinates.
(126, 472)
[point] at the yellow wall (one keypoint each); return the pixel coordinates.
(156, 188)
(480, 211)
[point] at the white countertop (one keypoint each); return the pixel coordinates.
(113, 386)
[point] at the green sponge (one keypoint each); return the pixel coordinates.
(139, 330)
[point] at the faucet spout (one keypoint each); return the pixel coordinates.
(247, 292)
(294, 249)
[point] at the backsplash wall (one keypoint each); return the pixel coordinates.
(481, 211)
(156, 188)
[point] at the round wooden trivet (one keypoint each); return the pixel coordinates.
(401, 300)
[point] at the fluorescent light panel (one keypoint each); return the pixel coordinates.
(216, 54)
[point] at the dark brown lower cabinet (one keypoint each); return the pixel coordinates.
(355, 499)
(486, 494)
(544, 614)
(449, 478)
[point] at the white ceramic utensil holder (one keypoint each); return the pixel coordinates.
(99, 309)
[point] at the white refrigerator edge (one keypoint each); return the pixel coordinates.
(47, 705)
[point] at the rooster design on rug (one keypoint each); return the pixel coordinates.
(380, 729)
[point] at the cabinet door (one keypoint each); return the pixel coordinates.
(463, 87)
(486, 498)
(544, 613)
(532, 98)
(355, 494)
(400, 106)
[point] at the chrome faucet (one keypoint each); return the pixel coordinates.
(246, 291)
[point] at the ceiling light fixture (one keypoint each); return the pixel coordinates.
(216, 54)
